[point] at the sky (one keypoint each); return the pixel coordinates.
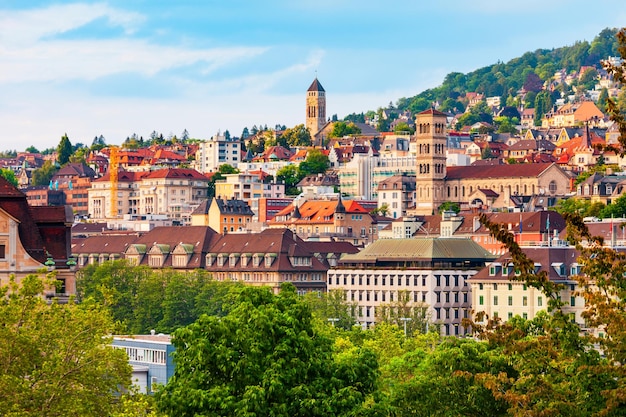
(115, 68)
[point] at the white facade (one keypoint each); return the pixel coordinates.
(217, 151)
(446, 293)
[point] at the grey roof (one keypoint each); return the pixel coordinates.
(420, 249)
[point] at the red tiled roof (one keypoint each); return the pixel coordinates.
(176, 173)
(496, 171)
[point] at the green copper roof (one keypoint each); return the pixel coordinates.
(420, 249)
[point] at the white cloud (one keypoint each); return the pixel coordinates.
(30, 52)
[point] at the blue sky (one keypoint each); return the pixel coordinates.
(115, 68)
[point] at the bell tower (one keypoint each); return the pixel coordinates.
(315, 108)
(430, 170)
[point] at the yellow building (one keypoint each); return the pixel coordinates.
(497, 294)
(223, 216)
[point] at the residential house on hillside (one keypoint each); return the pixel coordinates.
(248, 186)
(572, 114)
(527, 149)
(581, 152)
(74, 180)
(601, 188)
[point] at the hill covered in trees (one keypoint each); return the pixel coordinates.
(530, 72)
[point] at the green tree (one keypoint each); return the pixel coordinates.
(557, 369)
(403, 127)
(8, 175)
(264, 358)
(449, 206)
(32, 149)
(316, 162)
(43, 175)
(617, 208)
(56, 359)
(290, 175)
(64, 150)
(297, 136)
(341, 129)
(333, 308)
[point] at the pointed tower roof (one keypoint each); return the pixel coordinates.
(340, 207)
(316, 86)
(296, 213)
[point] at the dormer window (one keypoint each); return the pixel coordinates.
(210, 258)
(256, 259)
(559, 267)
(575, 269)
(220, 259)
(269, 259)
(494, 268)
(233, 259)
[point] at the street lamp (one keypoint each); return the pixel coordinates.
(333, 320)
(404, 320)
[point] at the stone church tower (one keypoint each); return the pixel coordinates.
(315, 107)
(430, 175)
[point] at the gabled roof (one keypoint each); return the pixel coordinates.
(75, 170)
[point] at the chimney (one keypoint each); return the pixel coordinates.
(476, 224)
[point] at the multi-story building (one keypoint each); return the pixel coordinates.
(432, 272)
(150, 357)
(344, 221)
(34, 238)
(497, 293)
(223, 215)
(248, 186)
(218, 150)
(398, 193)
(270, 257)
(175, 192)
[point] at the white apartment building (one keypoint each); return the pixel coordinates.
(434, 272)
(217, 151)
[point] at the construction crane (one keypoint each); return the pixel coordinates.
(113, 173)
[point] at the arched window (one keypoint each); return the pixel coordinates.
(552, 187)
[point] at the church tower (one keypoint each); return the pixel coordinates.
(430, 170)
(315, 108)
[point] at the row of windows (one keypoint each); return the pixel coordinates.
(145, 355)
(446, 280)
(481, 301)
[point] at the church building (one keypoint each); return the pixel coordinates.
(476, 187)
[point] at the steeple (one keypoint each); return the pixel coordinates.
(340, 207)
(315, 108)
